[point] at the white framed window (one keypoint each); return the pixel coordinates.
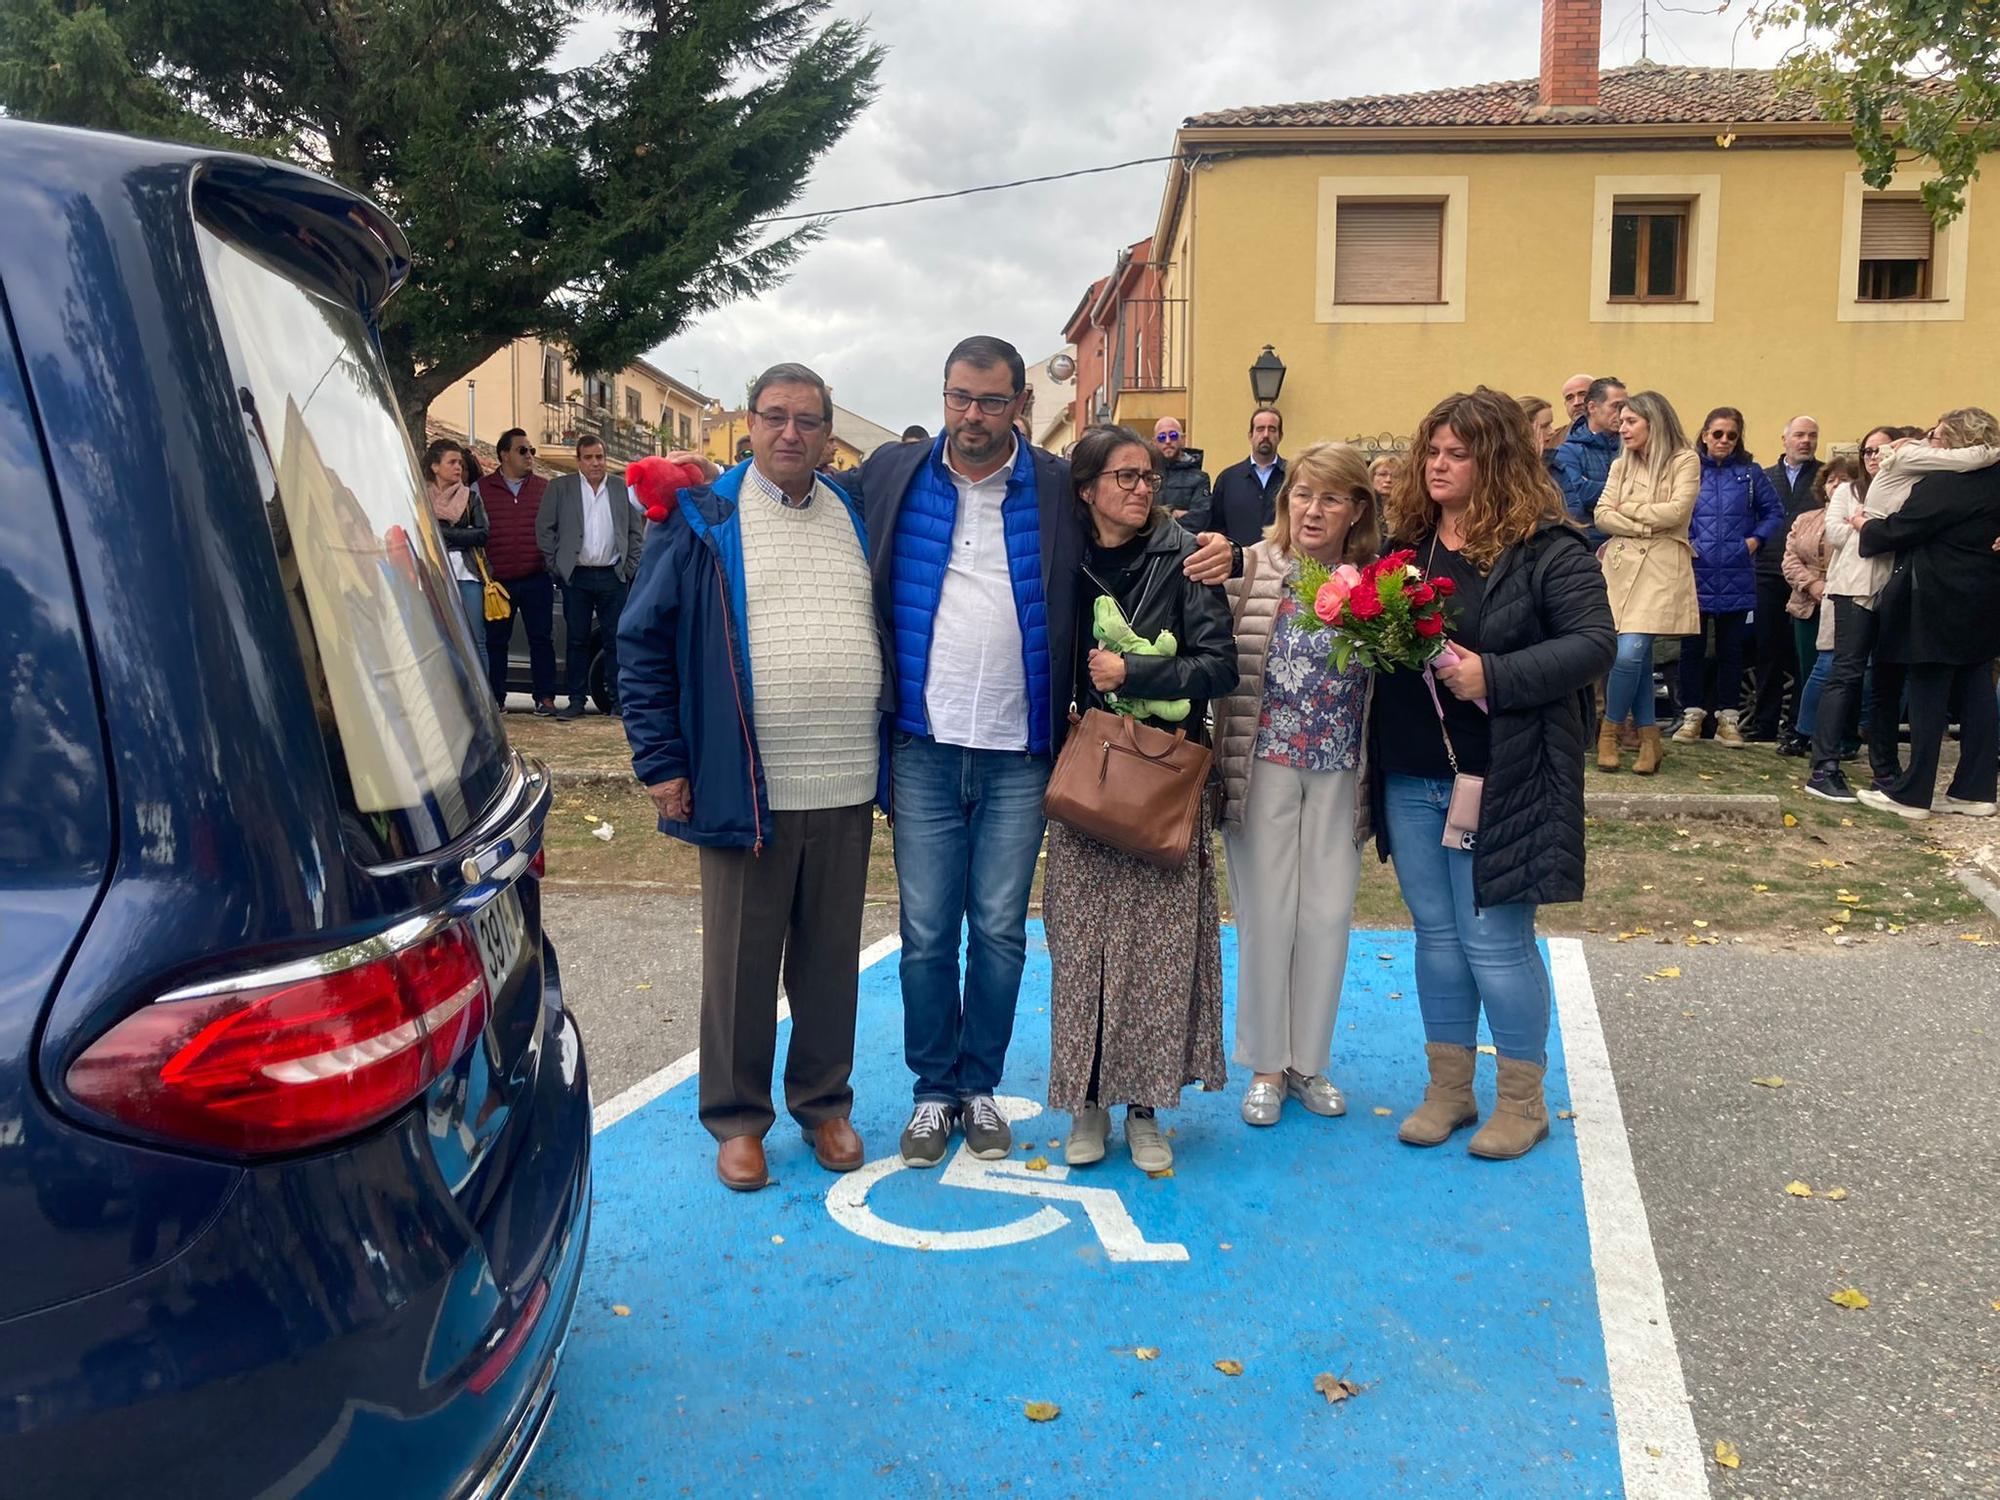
(1894, 266)
(1391, 249)
(1652, 248)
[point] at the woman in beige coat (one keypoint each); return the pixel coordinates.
(1648, 565)
(1290, 743)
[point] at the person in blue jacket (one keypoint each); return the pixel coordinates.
(1585, 457)
(1738, 516)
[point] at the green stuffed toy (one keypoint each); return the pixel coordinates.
(1109, 626)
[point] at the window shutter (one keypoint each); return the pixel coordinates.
(1388, 252)
(1895, 229)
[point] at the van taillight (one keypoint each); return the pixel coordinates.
(294, 1063)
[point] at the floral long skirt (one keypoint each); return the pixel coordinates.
(1136, 957)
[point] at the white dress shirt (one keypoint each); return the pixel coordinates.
(599, 548)
(976, 686)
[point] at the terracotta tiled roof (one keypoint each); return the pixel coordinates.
(1643, 94)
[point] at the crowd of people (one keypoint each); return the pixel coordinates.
(923, 634)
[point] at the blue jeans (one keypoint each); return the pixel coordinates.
(472, 599)
(968, 830)
(1467, 955)
(1807, 718)
(1629, 689)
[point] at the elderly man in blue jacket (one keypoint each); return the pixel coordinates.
(752, 685)
(978, 544)
(1583, 462)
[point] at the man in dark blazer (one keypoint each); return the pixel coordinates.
(1778, 666)
(590, 534)
(1245, 499)
(1940, 620)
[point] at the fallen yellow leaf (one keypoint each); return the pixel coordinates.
(1833, 930)
(1835, 1195)
(1824, 864)
(1760, 887)
(1699, 922)
(1642, 932)
(1727, 1456)
(777, 1239)
(1645, 887)
(1565, 1114)
(1849, 1297)
(1895, 927)
(620, 1310)
(1995, 1306)
(1843, 915)
(1682, 833)
(1156, 1176)
(1038, 1164)
(1651, 1451)
(1334, 1387)
(1970, 937)
(1847, 822)
(643, 985)
(1145, 1352)
(1382, 1109)
(1671, 971)
(1225, 1245)
(1791, 821)
(1798, 1189)
(1847, 896)
(1230, 1366)
(1041, 1411)
(1488, 1050)
(1773, 1082)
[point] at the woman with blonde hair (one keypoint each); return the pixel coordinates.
(1649, 497)
(1289, 744)
(1531, 630)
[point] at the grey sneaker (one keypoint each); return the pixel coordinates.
(1088, 1131)
(1316, 1093)
(986, 1132)
(1263, 1103)
(1150, 1151)
(1883, 802)
(1966, 807)
(928, 1133)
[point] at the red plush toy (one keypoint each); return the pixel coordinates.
(656, 482)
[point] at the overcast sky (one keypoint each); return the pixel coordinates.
(976, 93)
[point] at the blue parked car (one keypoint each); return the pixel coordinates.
(294, 1123)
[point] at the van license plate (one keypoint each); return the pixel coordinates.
(500, 927)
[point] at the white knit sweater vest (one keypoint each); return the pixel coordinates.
(815, 662)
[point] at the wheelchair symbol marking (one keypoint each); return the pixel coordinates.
(847, 1201)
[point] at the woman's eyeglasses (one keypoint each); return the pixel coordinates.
(1129, 480)
(1871, 452)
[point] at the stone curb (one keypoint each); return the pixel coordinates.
(1711, 807)
(591, 781)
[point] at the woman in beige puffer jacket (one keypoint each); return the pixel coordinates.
(1290, 744)
(1648, 498)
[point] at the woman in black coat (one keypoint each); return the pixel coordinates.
(1532, 628)
(1135, 951)
(1939, 615)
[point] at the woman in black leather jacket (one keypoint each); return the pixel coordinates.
(1135, 1008)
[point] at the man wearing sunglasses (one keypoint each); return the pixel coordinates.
(512, 494)
(976, 541)
(1186, 486)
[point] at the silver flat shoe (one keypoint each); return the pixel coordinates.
(1089, 1129)
(1262, 1104)
(1316, 1093)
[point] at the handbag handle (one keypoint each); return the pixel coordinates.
(1131, 734)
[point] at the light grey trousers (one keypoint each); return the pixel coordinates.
(1293, 870)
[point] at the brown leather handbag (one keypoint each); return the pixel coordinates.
(1131, 786)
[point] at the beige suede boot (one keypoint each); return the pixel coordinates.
(1651, 751)
(1520, 1120)
(1607, 745)
(1448, 1102)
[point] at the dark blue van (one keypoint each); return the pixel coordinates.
(294, 1124)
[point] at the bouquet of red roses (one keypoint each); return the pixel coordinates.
(1384, 615)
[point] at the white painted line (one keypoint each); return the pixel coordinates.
(681, 1069)
(1648, 1393)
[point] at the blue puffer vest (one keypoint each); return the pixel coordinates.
(920, 553)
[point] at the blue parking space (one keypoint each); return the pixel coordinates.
(882, 1333)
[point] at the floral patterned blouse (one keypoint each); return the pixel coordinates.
(1311, 718)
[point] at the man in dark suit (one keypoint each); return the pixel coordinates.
(1245, 499)
(1777, 658)
(590, 534)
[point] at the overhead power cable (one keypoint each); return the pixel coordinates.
(991, 187)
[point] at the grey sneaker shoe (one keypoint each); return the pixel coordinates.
(1150, 1151)
(1316, 1093)
(1263, 1103)
(928, 1133)
(1088, 1131)
(986, 1132)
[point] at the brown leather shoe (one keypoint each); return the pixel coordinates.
(836, 1146)
(739, 1164)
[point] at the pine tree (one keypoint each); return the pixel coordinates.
(601, 208)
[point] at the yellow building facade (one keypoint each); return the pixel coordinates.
(531, 385)
(1508, 243)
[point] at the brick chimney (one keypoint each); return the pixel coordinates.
(1569, 54)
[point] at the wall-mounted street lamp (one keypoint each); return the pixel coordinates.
(1267, 377)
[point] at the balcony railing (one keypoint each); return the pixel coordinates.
(1149, 346)
(624, 439)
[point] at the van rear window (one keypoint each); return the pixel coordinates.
(411, 730)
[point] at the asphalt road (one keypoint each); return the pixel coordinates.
(1890, 1050)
